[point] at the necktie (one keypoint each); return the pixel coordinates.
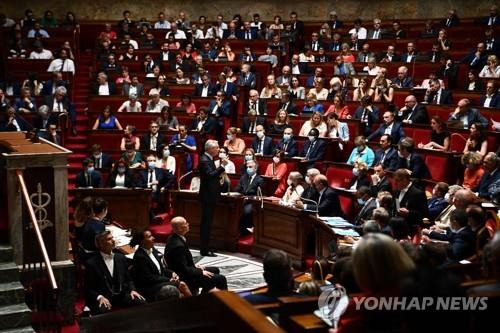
(448, 22)
(435, 99)
(376, 34)
(382, 157)
(150, 178)
(433, 57)
(99, 166)
(315, 46)
(248, 35)
(62, 65)
(252, 127)
(309, 150)
(285, 146)
(261, 146)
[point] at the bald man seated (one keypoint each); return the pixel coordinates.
(180, 260)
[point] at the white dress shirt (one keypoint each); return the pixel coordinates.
(66, 65)
(402, 195)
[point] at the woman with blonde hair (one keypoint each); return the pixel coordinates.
(362, 90)
(361, 152)
(234, 144)
(337, 129)
(472, 162)
(346, 53)
(316, 121)
(294, 190)
(281, 121)
(271, 90)
(491, 69)
(320, 93)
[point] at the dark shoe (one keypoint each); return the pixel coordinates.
(208, 254)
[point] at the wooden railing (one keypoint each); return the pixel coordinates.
(38, 277)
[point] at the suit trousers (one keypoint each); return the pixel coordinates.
(216, 281)
(122, 300)
(207, 216)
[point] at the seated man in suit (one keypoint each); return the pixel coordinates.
(411, 202)
(437, 203)
(287, 104)
(460, 237)
(203, 123)
(205, 89)
(134, 87)
(228, 87)
(250, 184)
(262, 144)
(153, 139)
(467, 115)
(101, 160)
(490, 177)
(408, 159)
(380, 182)
(186, 142)
(285, 79)
(328, 203)
(247, 78)
(367, 113)
(44, 117)
(367, 203)
(386, 155)
(403, 80)
(88, 177)
(102, 87)
(310, 192)
(157, 179)
(287, 144)
(437, 95)
(314, 149)
(59, 103)
(491, 99)
(149, 270)
(259, 105)
(180, 260)
(251, 122)
(278, 276)
(220, 109)
(389, 127)
(413, 112)
(107, 279)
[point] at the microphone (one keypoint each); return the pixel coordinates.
(314, 202)
(181, 178)
(260, 196)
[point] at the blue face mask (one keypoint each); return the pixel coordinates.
(90, 170)
(248, 157)
(361, 202)
(287, 137)
(152, 165)
(250, 171)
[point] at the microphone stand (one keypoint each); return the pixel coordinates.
(260, 196)
(181, 178)
(314, 202)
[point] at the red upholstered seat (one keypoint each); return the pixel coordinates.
(245, 244)
(339, 177)
(439, 167)
(162, 230)
(346, 203)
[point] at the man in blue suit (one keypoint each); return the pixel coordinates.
(101, 160)
(229, 88)
(318, 73)
(492, 175)
(246, 78)
(411, 161)
(88, 177)
(157, 179)
(287, 144)
(367, 114)
(386, 155)
(262, 144)
(391, 127)
(314, 149)
(248, 32)
(467, 115)
(205, 89)
(437, 203)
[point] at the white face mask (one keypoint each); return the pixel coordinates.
(166, 153)
(311, 138)
(276, 160)
(355, 171)
(260, 134)
(308, 180)
(447, 197)
(289, 182)
(222, 156)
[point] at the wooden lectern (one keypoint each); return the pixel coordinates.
(45, 170)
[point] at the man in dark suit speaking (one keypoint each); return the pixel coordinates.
(209, 192)
(328, 203)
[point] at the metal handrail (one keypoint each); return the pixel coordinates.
(38, 233)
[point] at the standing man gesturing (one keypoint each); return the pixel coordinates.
(210, 189)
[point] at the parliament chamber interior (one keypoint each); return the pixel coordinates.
(285, 169)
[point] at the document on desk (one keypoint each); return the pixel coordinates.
(336, 221)
(121, 236)
(345, 232)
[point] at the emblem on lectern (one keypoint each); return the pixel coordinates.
(40, 200)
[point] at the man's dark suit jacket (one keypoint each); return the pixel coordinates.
(328, 205)
(95, 179)
(180, 259)
(48, 85)
(66, 105)
(184, 66)
(111, 88)
(416, 202)
(365, 213)
(291, 147)
(38, 122)
(310, 193)
(262, 105)
(231, 89)
(250, 81)
(494, 102)
(383, 185)
(473, 116)
(291, 108)
(106, 161)
(223, 111)
(208, 127)
(407, 82)
(397, 132)
(98, 280)
(268, 147)
(147, 278)
(170, 58)
(246, 188)
(395, 57)
(418, 116)
(417, 166)
(486, 180)
(461, 244)
(164, 177)
(241, 34)
(454, 21)
(145, 142)
(126, 89)
(129, 180)
(446, 97)
(373, 116)
(198, 89)
(317, 152)
(246, 123)
(391, 159)
(210, 187)
(436, 206)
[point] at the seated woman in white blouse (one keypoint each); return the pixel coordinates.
(120, 176)
(225, 161)
(167, 161)
(294, 190)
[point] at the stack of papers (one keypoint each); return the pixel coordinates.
(345, 232)
(336, 221)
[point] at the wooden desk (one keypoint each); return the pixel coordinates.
(288, 229)
(225, 227)
(129, 207)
